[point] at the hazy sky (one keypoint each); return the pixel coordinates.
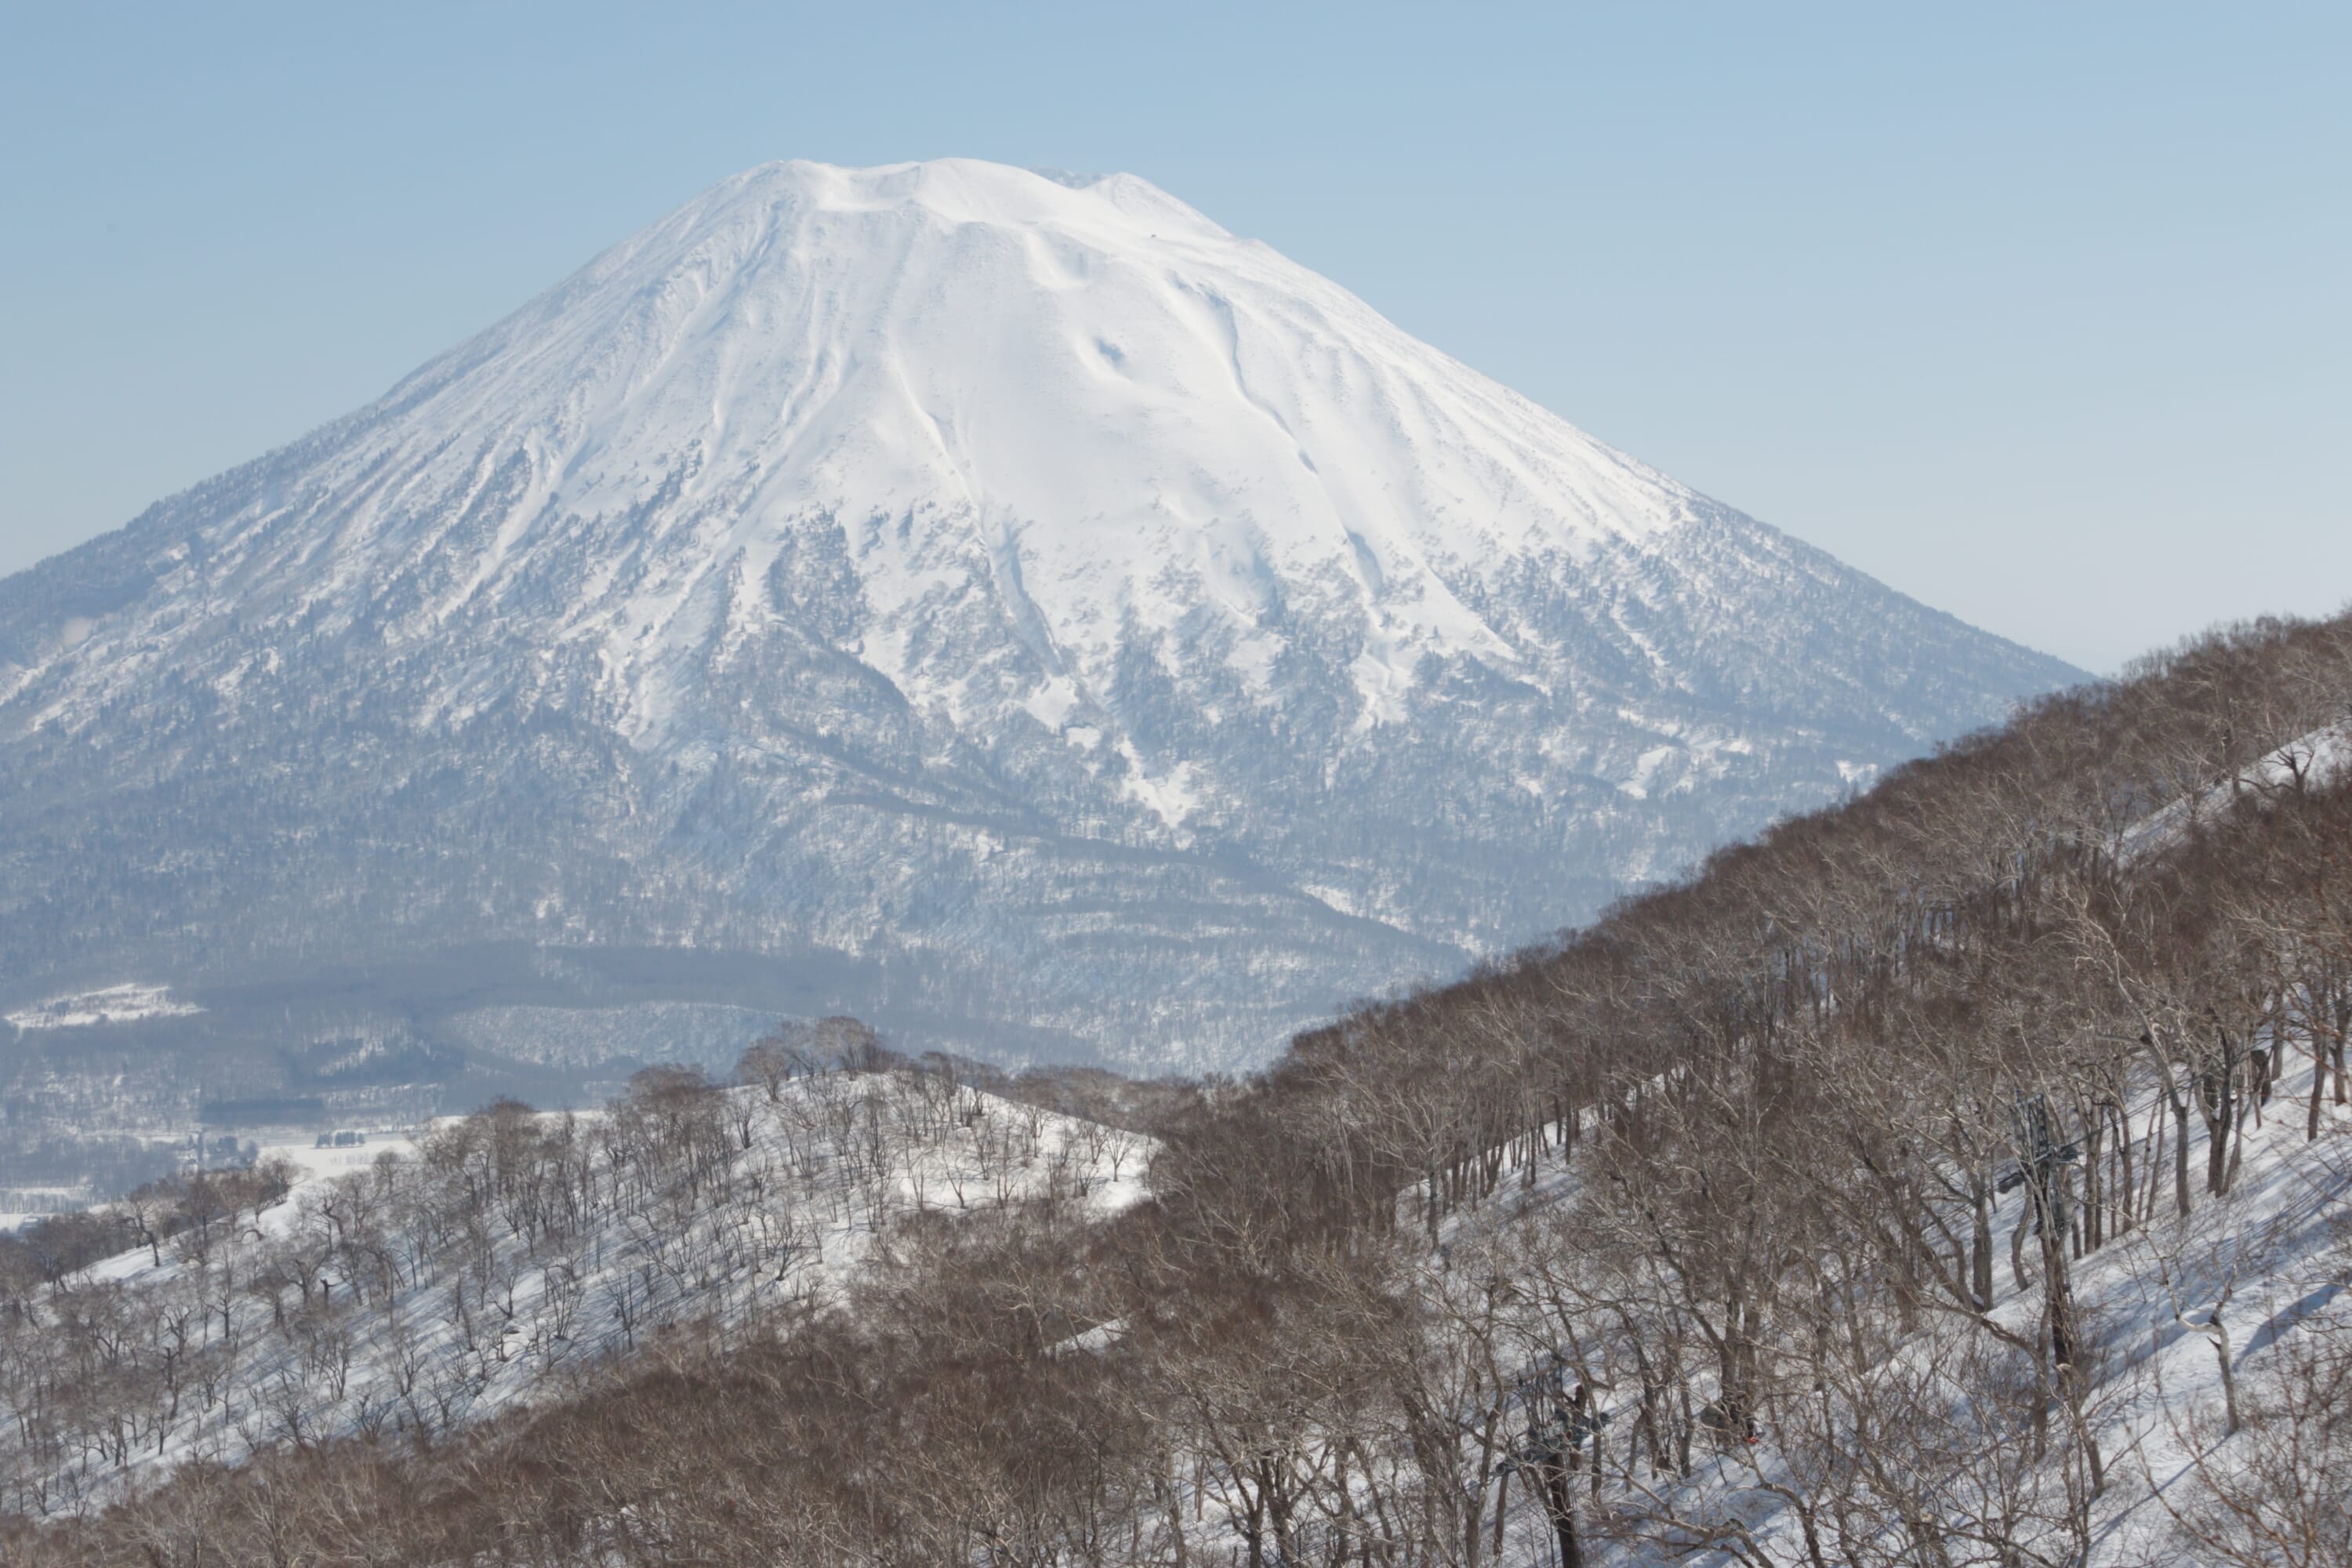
(2042, 315)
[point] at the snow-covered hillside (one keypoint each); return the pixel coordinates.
(410, 1288)
(2202, 1332)
(1012, 608)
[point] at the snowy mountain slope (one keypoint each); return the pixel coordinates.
(1017, 611)
(2309, 762)
(413, 1287)
(2258, 1279)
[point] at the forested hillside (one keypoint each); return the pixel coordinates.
(499, 1259)
(1954, 1176)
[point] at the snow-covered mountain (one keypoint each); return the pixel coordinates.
(1006, 605)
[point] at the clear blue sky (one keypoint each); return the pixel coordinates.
(2044, 315)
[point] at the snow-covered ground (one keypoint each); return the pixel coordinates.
(130, 1003)
(318, 1162)
(421, 1284)
(2273, 1255)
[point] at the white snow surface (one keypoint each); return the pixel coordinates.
(1129, 412)
(126, 1003)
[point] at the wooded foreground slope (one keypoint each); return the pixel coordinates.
(1956, 1176)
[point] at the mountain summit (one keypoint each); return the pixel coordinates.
(1006, 605)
